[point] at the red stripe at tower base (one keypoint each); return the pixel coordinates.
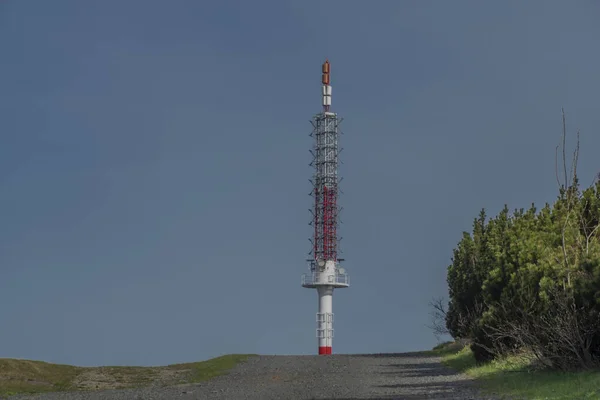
(324, 350)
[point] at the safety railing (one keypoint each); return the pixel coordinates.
(332, 279)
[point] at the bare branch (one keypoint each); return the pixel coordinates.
(587, 240)
(560, 335)
(577, 152)
(438, 317)
(556, 166)
(564, 138)
(575, 159)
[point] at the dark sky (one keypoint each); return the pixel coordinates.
(154, 164)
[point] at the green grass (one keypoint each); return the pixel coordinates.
(203, 370)
(25, 376)
(514, 377)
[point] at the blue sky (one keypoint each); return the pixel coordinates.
(154, 164)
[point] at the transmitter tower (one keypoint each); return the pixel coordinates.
(325, 272)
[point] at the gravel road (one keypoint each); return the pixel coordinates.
(408, 376)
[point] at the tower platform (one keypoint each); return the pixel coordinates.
(316, 279)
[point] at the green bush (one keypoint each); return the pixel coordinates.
(530, 280)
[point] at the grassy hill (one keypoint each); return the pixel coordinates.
(25, 376)
(517, 376)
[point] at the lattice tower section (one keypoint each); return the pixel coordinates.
(325, 186)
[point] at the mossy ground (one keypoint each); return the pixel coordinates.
(515, 377)
(25, 376)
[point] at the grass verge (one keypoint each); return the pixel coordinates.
(25, 376)
(203, 370)
(515, 378)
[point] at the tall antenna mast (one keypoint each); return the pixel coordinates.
(325, 270)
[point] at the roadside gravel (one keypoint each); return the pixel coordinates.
(407, 376)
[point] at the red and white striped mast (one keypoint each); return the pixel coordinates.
(325, 270)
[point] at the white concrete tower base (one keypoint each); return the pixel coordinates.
(325, 319)
(325, 277)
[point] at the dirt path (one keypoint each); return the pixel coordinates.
(408, 376)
